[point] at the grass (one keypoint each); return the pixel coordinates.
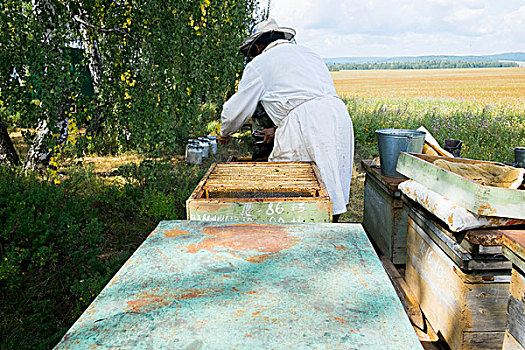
(485, 108)
(488, 132)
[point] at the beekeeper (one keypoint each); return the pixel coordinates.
(296, 90)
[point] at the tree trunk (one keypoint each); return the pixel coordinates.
(39, 153)
(95, 62)
(7, 150)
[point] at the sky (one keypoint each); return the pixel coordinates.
(349, 28)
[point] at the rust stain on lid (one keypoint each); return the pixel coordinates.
(245, 237)
(486, 237)
(256, 259)
(340, 320)
(147, 302)
(175, 233)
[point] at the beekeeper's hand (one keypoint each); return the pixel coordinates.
(269, 134)
(223, 140)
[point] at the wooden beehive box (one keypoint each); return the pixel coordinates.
(477, 198)
(285, 192)
(384, 218)
(514, 250)
(461, 280)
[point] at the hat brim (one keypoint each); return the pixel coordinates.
(247, 44)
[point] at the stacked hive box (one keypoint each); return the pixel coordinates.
(285, 192)
(514, 250)
(384, 218)
(461, 279)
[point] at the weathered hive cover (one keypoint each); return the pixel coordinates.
(194, 285)
(471, 195)
(286, 192)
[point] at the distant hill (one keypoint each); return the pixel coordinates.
(510, 56)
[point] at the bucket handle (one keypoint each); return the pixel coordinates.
(410, 139)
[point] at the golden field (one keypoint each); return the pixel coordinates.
(484, 85)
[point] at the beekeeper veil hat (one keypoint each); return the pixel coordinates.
(268, 26)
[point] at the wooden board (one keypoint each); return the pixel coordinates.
(479, 199)
(469, 310)
(390, 182)
(515, 241)
(384, 218)
(510, 343)
(516, 307)
(517, 261)
(514, 250)
(205, 285)
(282, 192)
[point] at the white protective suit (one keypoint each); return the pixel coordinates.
(297, 91)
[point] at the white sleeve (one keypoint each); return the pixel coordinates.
(241, 106)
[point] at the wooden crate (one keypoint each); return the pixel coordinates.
(477, 198)
(514, 250)
(384, 218)
(284, 192)
(461, 284)
(210, 285)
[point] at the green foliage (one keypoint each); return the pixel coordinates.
(164, 187)
(37, 79)
(488, 133)
(437, 64)
(61, 243)
(152, 63)
(49, 241)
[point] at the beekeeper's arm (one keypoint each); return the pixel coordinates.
(241, 106)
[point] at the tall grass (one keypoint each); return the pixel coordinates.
(488, 132)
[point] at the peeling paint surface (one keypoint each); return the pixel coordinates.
(211, 285)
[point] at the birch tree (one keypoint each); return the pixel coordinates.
(149, 64)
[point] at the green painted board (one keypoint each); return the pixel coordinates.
(477, 198)
(210, 285)
(279, 211)
(279, 192)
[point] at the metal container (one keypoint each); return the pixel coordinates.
(189, 142)
(193, 153)
(519, 157)
(213, 144)
(393, 141)
(205, 144)
(453, 146)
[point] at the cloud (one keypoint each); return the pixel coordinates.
(372, 27)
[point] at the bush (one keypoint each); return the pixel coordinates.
(49, 271)
(164, 187)
(61, 243)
